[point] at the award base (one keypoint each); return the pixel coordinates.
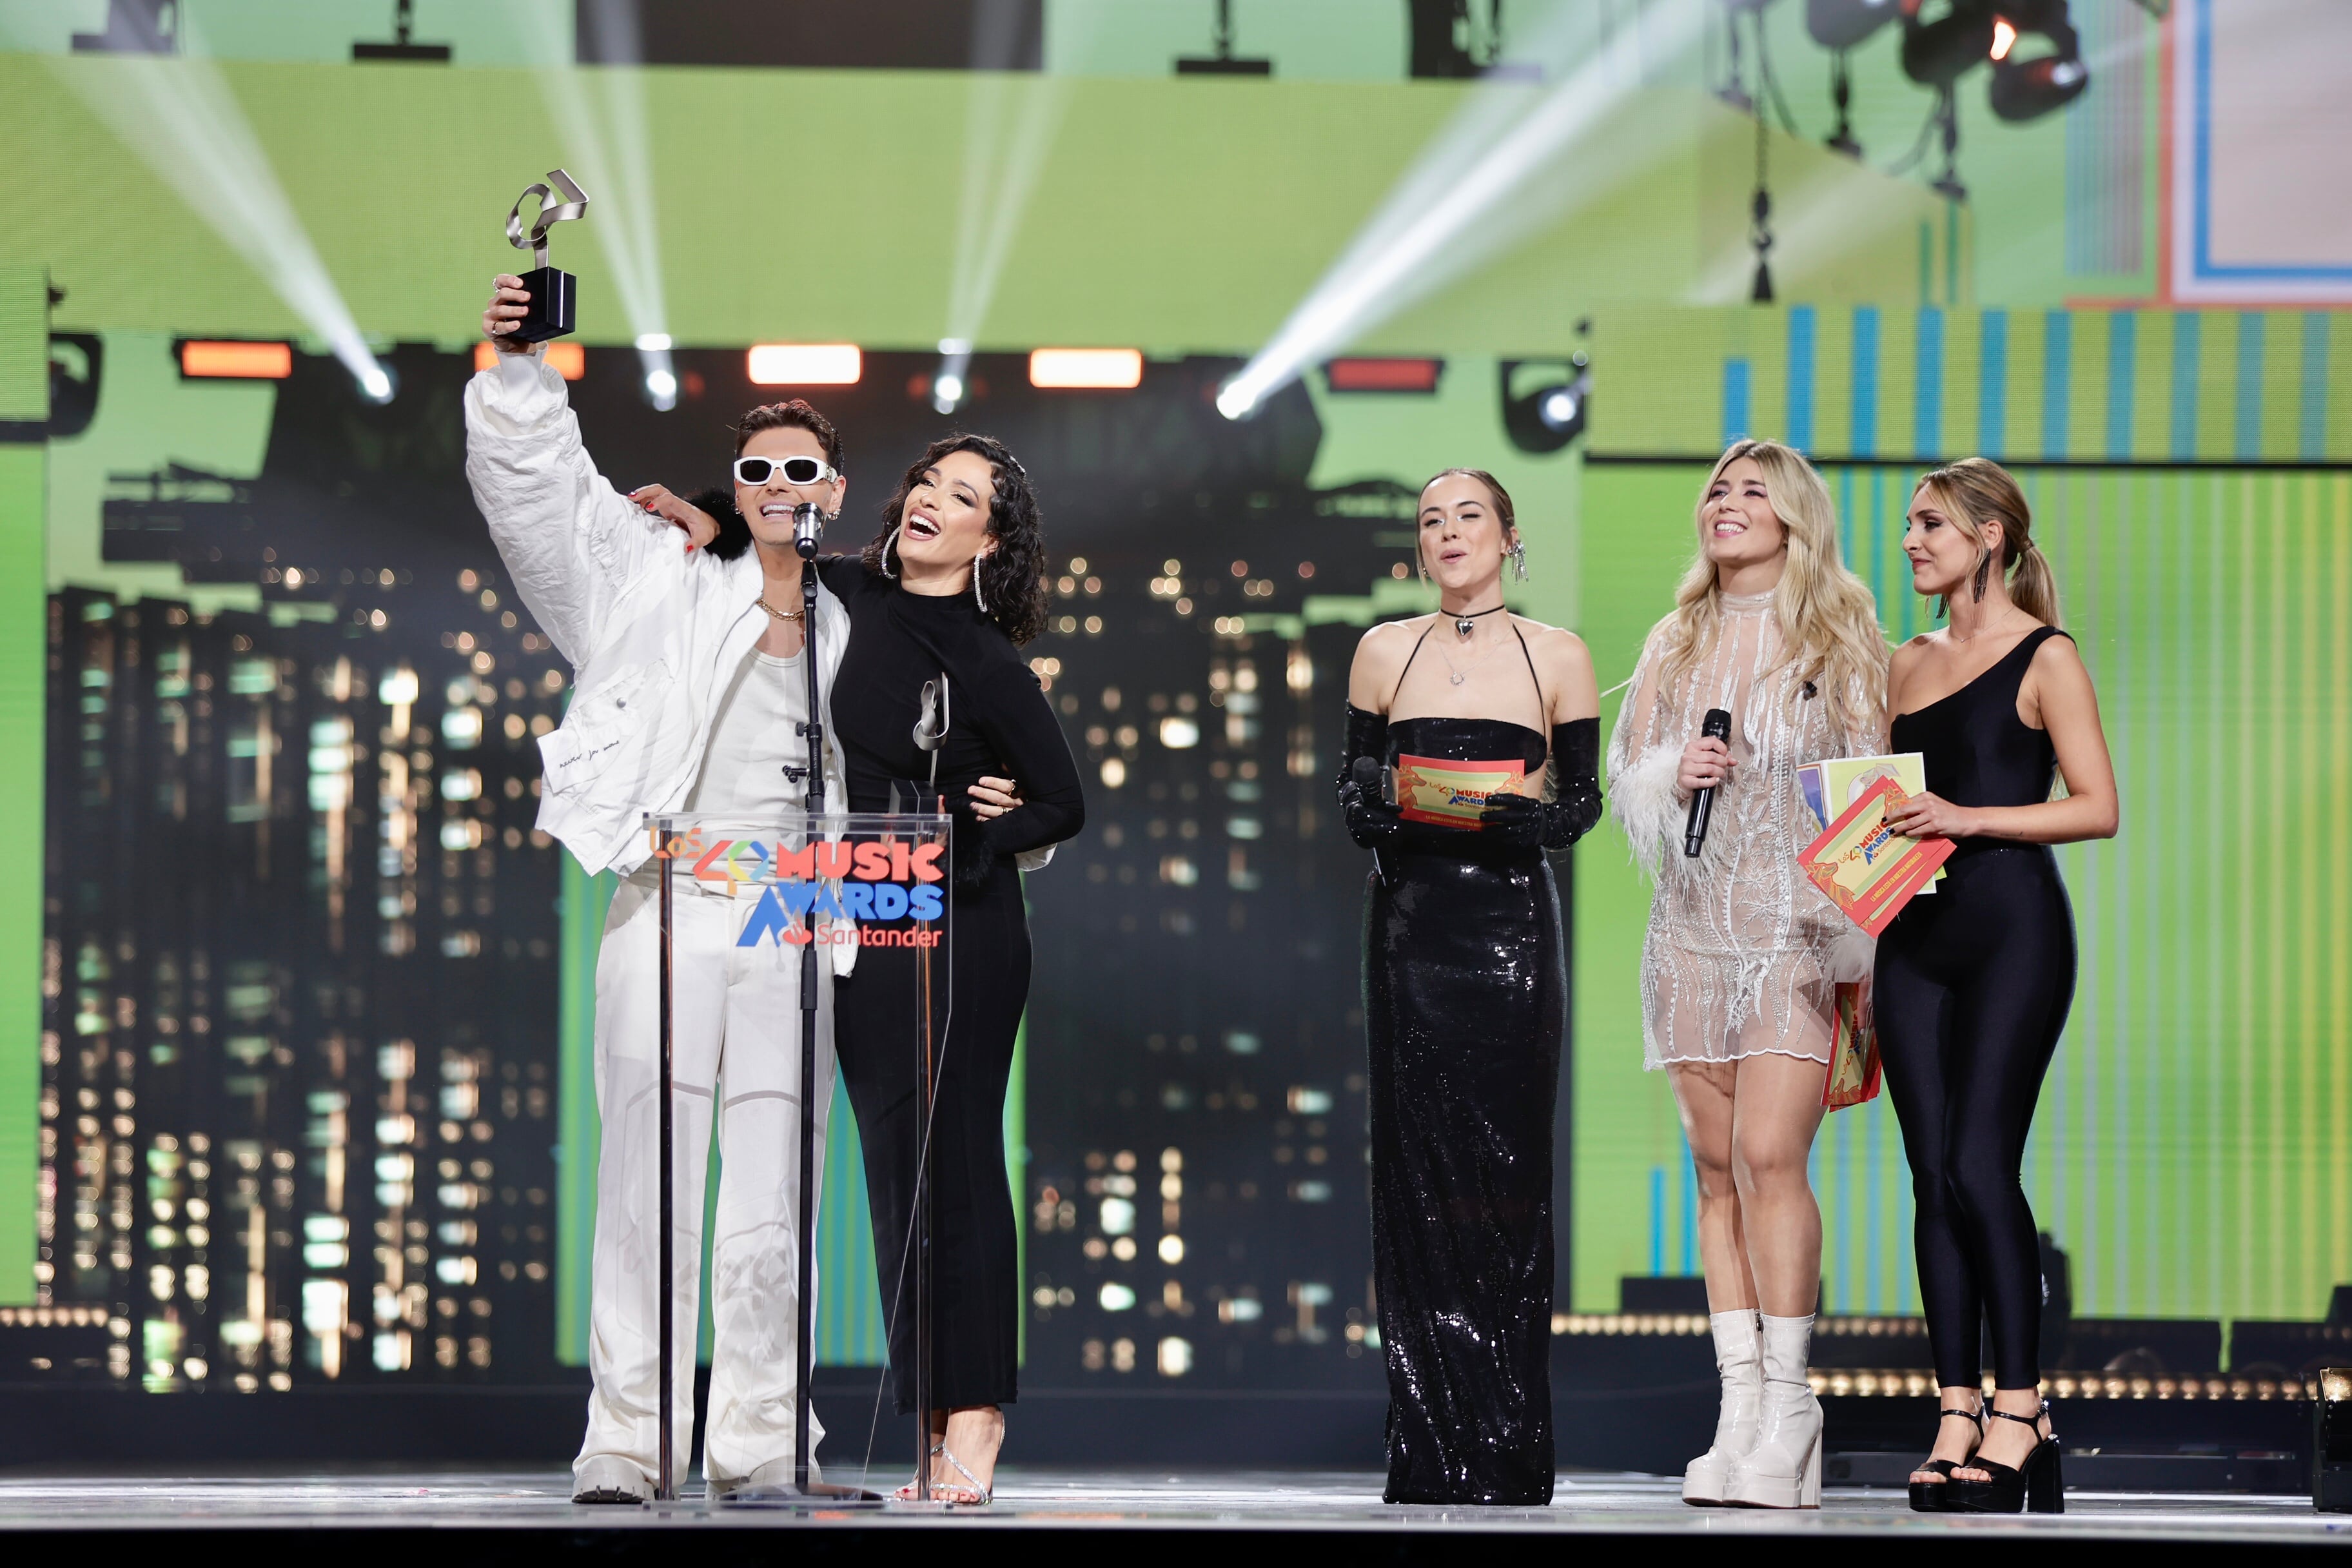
(553, 298)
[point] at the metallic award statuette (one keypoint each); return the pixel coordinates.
(552, 292)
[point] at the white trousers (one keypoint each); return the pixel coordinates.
(736, 1042)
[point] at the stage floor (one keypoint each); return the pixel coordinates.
(1203, 1501)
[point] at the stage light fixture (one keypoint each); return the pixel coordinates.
(950, 382)
(659, 376)
(2028, 89)
(404, 19)
(375, 383)
(1101, 370)
(201, 359)
(570, 360)
(1546, 403)
(134, 27)
(805, 364)
(1220, 60)
(1938, 53)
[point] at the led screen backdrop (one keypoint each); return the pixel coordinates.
(2190, 1154)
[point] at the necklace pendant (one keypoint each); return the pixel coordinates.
(1462, 626)
(1458, 678)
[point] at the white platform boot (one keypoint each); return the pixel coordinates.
(1784, 1469)
(1739, 1361)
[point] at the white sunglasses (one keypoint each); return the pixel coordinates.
(795, 471)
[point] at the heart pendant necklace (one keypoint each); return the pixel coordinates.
(1464, 625)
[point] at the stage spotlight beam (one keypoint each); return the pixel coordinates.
(179, 117)
(1420, 238)
(607, 144)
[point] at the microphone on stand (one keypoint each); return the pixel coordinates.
(808, 525)
(1715, 726)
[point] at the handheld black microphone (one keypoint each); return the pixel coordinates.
(808, 523)
(1368, 777)
(1715, 726)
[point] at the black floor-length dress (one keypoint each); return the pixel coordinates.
(1000, 724)
(1466, 994)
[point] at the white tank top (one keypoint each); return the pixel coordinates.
(754, 738)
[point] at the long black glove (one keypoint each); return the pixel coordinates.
(1523, 822)
(1372, 823)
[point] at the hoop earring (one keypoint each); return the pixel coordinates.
(1984, 570)
(890, 542)
(1519, 555)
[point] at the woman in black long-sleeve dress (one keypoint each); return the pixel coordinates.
(955, 583)
(1466, 1001)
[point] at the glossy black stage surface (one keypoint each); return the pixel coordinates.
(495, 1516)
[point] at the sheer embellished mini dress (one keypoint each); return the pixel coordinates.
(1465, 1012)
(1743, 953)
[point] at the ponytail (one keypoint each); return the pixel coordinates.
(2034, 587)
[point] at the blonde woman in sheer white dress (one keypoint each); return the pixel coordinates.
(1742, 953)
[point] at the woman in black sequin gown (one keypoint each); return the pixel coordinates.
(1466, 1005)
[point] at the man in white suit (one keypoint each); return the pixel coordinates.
(689, 691)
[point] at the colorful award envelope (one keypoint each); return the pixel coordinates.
(1868, 872)
(1854, 1052)
(1451, 794)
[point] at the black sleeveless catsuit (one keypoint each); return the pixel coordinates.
(1973, 985)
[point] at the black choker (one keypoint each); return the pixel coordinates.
(1462, 624)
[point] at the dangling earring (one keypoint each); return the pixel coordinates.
(1519, 555)
(1421, 567)
(1984, 570)
(978, 602)
(890, 542)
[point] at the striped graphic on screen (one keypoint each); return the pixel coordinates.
(2193, 1149)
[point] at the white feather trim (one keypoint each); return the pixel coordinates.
(1642, 799)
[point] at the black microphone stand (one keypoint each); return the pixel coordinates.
(805, 529)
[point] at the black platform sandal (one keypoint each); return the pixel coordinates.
(2038, 1486)
(1928, 1496)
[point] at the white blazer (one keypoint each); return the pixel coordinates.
(653, 630)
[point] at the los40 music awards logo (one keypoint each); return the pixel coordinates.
(826, 892)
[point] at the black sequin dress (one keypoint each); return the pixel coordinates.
(1465, 996)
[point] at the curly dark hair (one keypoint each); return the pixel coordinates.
(1011, 576)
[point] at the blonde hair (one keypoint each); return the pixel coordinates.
(1829, 623)
(1978, 491)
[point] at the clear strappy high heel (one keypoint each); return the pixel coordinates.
(972, 1494)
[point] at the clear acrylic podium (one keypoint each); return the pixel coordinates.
(807, 884)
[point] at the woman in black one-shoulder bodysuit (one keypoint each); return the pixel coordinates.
(1973, 982)
(1466, 1005)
